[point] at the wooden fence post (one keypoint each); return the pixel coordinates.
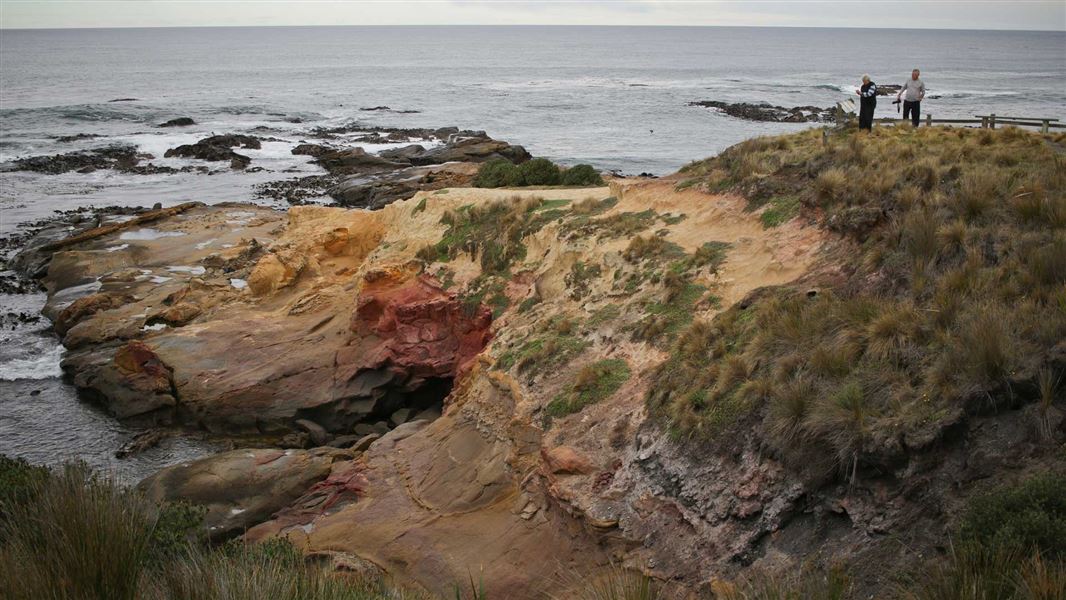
(928, 119)
(1045, 126)
(984, 122)
(992, 121)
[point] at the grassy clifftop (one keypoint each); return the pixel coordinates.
(949, 297)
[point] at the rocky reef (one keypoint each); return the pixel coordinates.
(764, 111)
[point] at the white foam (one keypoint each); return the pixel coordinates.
(42, 363)
(160, 279)
(205, 243)
(117, 248)
(240, 284)
(148, 234)
(154, 327)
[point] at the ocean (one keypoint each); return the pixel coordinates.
(615, 97)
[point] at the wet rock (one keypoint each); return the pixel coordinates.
(144, 440)
(66, 139)
(110, 157)
(132, 378)
(472, 149)
(356, 161)
(178, 122)
(315, 150)
(86, 306)
(298, 190)
(404, 153)
(241, 488)
(768, 112)
(218, 148)
(376, 191)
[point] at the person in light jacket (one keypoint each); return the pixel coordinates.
(867, 103)
(912, 92)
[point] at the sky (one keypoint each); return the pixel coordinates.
(932, 14)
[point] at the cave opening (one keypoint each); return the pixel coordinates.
(422, 398)
(392, 399)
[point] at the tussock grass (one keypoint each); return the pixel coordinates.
(72, 535)
(80, 537)
(954, 296)
(806, 583)
(615, 583)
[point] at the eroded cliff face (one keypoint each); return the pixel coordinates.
(501, 341)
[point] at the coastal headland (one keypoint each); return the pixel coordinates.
(803, 355)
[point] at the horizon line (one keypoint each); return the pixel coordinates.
(76, 28)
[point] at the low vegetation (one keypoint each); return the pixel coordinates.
(536, 172)
(73, 535)
(954, 250)
(555, 341)
(592, 384)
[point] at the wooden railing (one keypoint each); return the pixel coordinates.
(989, 122)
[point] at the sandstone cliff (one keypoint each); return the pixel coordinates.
(506, 347)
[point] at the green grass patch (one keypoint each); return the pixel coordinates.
(592, 384)
(603, 316)
(555, 343)
(782, 209)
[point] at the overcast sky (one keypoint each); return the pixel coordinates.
(948, 14)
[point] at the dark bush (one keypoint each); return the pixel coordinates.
(1029, 516)
(495, 173)
(19, 482)
(539, 171)
(581, 175)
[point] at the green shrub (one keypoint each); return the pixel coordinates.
(581, 175)
(1028, 516)
(498, 172)
(538, 171)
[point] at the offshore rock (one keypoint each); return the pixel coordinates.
(769, 112)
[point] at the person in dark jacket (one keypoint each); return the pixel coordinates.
(867, 103)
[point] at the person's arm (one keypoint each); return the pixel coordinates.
(902, 89)
(870, 91)
(921, 92)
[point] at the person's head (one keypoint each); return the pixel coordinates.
(915, 73)
(866, 79)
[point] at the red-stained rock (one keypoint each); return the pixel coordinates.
(415, 328)
(142, 368)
